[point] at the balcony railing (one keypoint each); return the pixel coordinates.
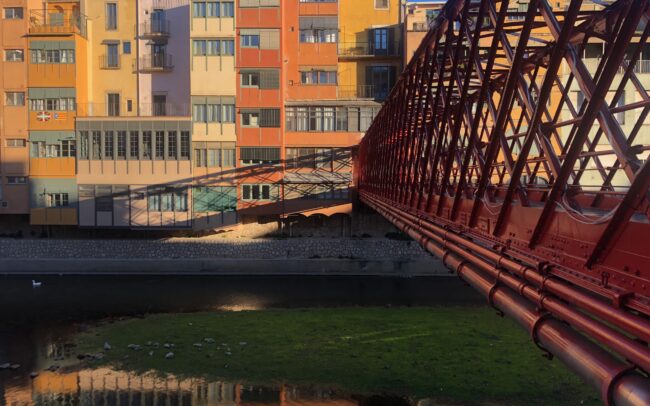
(153, 64)
(129, 108)
(155, 29)
(362, 92)
(641, 66)
(54, 22)
(368, 49)
(420, 27)
(110, 61)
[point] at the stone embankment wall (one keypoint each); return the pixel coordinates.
(217, 255)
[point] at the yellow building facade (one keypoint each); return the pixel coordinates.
(370, 48)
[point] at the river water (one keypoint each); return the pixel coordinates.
(36, 324)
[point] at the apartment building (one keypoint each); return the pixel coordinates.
(213, 88)
(14, 137)
(134, 136)
(417, 17)
(311, 76)
(57, 83)
(180, 114)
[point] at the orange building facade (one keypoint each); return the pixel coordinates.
(188, 114)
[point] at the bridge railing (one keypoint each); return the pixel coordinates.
(525, 167)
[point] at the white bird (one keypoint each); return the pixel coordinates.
(36, 284)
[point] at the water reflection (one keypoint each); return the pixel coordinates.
(107, 387)
(36, 326)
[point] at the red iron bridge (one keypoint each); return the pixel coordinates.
(520, 159)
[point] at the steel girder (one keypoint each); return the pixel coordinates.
(524, 164)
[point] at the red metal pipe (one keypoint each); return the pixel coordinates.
(632, 350)
(617, 382)
(626, 321)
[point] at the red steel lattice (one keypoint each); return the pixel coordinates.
(524, 165)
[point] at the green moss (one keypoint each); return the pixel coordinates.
(465, 355)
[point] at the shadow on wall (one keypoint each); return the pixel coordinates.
(175, 84)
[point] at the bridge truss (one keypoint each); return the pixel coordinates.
(524, 166)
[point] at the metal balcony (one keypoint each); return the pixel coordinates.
(54, 22)
(154, 64)
(158, 29)
(110, 62)
(357, 50)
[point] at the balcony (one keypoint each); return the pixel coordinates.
(419, 27)
(129, 108)
(110, 62)
(641, 67)
(370, 92)
(50, 22)
(155, 29)
(153, 64)
(358, 50)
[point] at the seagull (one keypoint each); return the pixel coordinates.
(36, 284)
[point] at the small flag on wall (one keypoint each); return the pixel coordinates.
(60, 116)
(43, 116)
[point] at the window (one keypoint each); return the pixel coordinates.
(146, 144)
(111, 16)
(83, 144)
(14, 98)
(199, 114)
(199, 48)
(96, 145)
(381, 79)
(380, 40)
(13, 13)
(121, 145)
(250, 118)
(200, 158)
(185, 145)
(172, 151)
(126, 47)
(108, 145)
(56, 199)
(227, 9)
(14, 55)
(134, 145)
(214, 199)
(16, 180)
(159, 104)
(318, 36)
(257, 156)
(381, 4)
(60, 104)
(198, 9)
(51, 56)
(318, 77)
(227, 113)
(167, 199)
(16, 142)
(260, 192)
(228, 158)
(68, 148)
(160, 144)
(250, 79)
(250, 41)
(212, 9)
(113, 104)
(228, 47)
(112, 56)
(214, 113)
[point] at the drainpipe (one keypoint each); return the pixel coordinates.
(137, 56)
